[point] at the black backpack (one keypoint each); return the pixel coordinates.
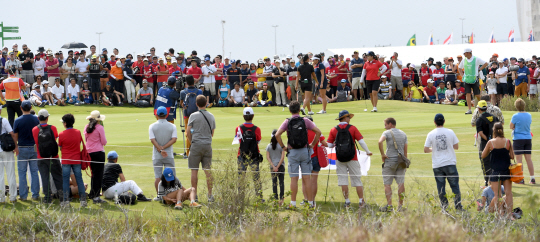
(297, 133)
(128, 199)
(486, 120)
(190, 102)
(249, 148)
(7, 142)
(345, 144)
(47, 142)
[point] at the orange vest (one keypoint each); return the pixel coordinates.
(117, 72)
(13, 88)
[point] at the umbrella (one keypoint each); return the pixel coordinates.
(74, 45)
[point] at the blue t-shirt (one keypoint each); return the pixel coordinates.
(318, 72)
(489, 194)
(522, 123)
(297, 64)
(224, 90)
(522, 75)
(357, 72)
(23, 125)
(225, 68)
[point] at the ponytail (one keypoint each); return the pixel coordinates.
(91, 125)
(273, 141)
(498, 130)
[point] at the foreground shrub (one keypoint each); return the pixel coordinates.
(507, 104)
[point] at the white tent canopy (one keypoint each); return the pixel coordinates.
(417, 54)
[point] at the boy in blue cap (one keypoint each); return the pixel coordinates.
(162, 135)
(172, 191)
(110, 186)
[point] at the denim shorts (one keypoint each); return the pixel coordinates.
(315, 162)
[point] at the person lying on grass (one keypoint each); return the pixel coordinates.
(172, 191)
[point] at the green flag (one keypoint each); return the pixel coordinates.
(412, 41)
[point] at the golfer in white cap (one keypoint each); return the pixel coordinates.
(469, 69)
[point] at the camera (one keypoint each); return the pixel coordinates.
(513, 68)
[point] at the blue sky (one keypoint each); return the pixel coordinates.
(135, 26)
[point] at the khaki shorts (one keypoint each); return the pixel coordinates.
(396, 82)
(391, 172)
(533, 89)
(210, 87)
(358, 83)
(200, 154)
(160, 163)
(346, 169)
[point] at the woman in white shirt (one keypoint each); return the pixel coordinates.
(69, 69)
(39, 66)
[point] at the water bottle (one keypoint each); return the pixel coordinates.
(115, 196)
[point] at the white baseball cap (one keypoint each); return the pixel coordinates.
(467, 50)
(43, 112)
(430, 81)
(289, 57)
(248, 111)
(226, 58)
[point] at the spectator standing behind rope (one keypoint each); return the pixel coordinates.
(27, 157)
(521, 126)
(162, 136)
(45, 135)
(70, 141)
(8, 163)
(248, 152)
(12, 86)
(391, 168)
(94, 134)
(442, 143)
(483, 128)
(501, 152)
(200, 131)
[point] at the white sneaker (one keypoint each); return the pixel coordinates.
(310, 113)
(303, 111)
(321, 112)
(157, 199)
(374, 109)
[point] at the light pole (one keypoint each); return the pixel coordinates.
(99, 38)
(462, 36)
(223, 37)
(275, 38)
(292, 50)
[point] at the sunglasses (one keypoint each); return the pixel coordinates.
(410, 84)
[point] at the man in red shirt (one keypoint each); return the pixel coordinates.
(348, 168)
(430, 92)
(52, 67)
(460, 91)
(174, 67)
(148, 72)
(139, 63)
(162, 72)
(343, 69)
(425, 73)
(219, 73)
(48, 167)
(195, 71)
(245, 156)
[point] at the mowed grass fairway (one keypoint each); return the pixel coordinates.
(127, 133)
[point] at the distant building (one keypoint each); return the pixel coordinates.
(528, 13)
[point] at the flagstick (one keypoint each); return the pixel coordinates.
(327, 180)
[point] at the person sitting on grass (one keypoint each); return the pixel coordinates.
(265, 97)
(237, 96)
(86, 94)
(487, 196)
(251, 94)
(430, 92)
(441, 93)
(224, 94)
(385, 89)
(58, 93)
(110, 184)
(145, 94)
(449, 95)
(172, 191)
(343, 92)
(110, 96)
(72, 93)
(36, 98)
(415, 95)
(330, 97)
(46, 91)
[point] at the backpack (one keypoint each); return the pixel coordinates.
(190, 102)
(297, 133)
(249, 148)
(7, 142)
(47, 142)
(345, 144)
(128, 199)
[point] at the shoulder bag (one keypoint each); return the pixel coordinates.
(403, 161)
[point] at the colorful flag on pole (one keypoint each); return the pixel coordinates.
(448, 40)
(412, 41)
(492, 38)
(531, 36)
(431, 39)
(471, 38)
(363, 159)
(511, 36)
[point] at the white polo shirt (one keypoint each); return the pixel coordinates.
(208, 69)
